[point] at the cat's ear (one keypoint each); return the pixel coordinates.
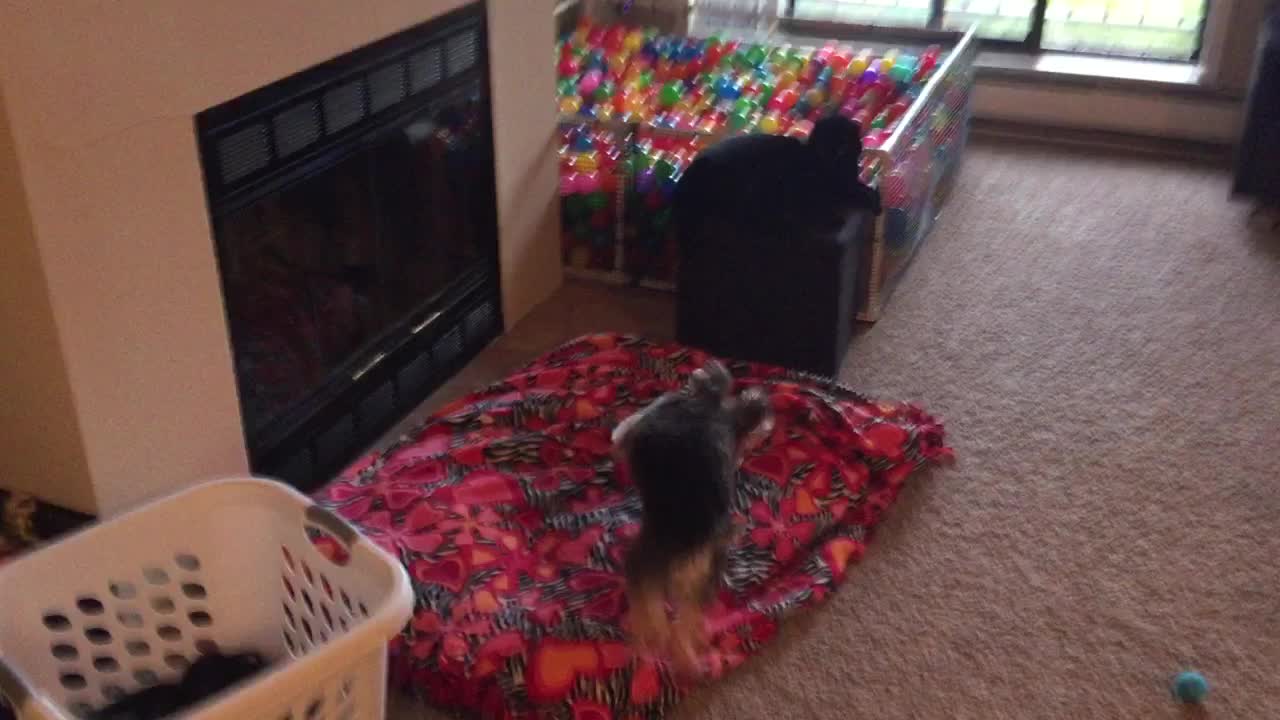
(837, 137)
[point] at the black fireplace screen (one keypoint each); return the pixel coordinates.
(352, 206)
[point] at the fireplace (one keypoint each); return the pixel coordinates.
(354, 217)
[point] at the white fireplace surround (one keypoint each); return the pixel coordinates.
(116, 382)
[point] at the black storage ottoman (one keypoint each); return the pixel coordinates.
(785, 301)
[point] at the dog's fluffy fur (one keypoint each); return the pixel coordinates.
(683, 453)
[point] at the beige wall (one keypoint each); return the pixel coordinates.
(101, 100)
(40, 450)
(521, 37)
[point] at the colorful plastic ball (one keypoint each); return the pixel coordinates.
(614, 38)
(589, 182)
(633, 42)
(568, 183)
(838, 86)
(727, 88)
(712, 52)
(604, 92)
(570, 105)
(664, 168)
(568, 67)
(671, 93)
(804, 127)
(1190, 687)
(597, 200)
(893, 188)
(645, 180)
(618, 64)
(590, 81)
(770, 123)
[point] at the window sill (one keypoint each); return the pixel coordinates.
(1057, 68)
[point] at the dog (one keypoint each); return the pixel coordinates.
(683, 452)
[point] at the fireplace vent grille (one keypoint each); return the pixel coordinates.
(249, 145)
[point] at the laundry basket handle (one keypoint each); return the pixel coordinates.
(26, 704)
(12, 688)
(327, 520)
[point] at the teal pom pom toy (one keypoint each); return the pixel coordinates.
(1190, 687)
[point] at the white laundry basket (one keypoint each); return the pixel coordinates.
(231, 565)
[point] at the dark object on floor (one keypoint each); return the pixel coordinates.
(207, 676)
(1257, 171)
(1190, 687)
(788, 302)
(26, 522)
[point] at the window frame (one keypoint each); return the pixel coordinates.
(1033, 42)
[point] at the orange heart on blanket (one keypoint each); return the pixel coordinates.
(804, 503)
(586, 410)
(839, 551)
(556, 664)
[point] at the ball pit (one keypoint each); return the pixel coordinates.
(637, 105)
(712, 85)
(589, 180)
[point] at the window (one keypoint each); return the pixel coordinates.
(1159, 29)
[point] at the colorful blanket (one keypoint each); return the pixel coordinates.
(506, 509)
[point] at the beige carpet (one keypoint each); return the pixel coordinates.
(1102, 335)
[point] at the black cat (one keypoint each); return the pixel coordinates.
(771, 186)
